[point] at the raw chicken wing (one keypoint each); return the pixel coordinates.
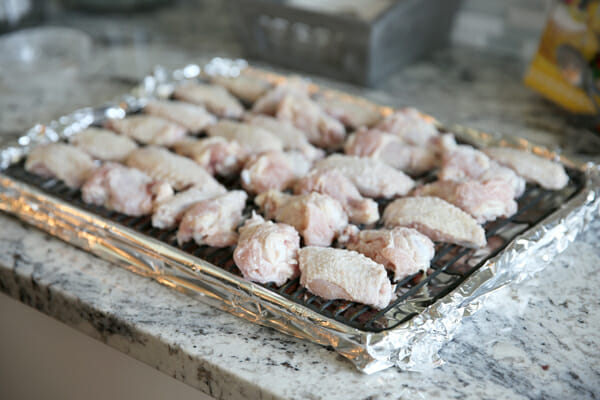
(215, 98)
(245, 87)
(344, 274)
(216, 154)
(484, 200)
(317, 217)
(320, 128)
(57, 160)
(392, 150)
(548, 174)
(213, 222)
(192, 117)
(350, 111)
(252, 138)
(179, 171)
(334, 184)
(404, 251)
(373, 178)
(269, 102)
(267, 252)
(435, 218)
(148, 129)
(103, 144)
(291, 137)
(169, 212)
(125, 190)
(272, 170)
(411, 126)
(462, 162)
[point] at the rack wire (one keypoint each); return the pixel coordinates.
(451, 265)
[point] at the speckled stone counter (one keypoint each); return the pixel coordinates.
(536, 340)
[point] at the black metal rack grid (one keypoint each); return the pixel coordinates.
(451, 265)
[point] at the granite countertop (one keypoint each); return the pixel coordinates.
(538, 339)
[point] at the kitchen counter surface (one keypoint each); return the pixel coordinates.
(535, 340)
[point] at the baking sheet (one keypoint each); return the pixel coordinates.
(411, 345)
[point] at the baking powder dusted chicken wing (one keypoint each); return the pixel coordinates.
(373, 178)
(484, 200)
(169, 212)
(435, 218)
(392, 150)
(125, 190)
(267, 252)
(291, 137)
(343, 274)
(320, 128)
(404, 251)
(192, 117)
(244, 86)
(179, 171)
(410, 125)
(269, 102)
(215, 98)
(216, 154)
(350, 111)
(103, 144)
(213, 222)
(336, 185)
(317, 217)
(546, 173)
(253, 139)
(148, 129)
(57, 160)
(462, 162)
(272, 170)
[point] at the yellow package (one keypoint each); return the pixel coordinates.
(566, 67)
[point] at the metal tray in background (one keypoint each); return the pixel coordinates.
(407, 333)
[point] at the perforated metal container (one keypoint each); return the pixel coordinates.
(353, 47)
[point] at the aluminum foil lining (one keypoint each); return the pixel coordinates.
(413, 345)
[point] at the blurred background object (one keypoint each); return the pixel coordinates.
(358, 41)
(16, 14)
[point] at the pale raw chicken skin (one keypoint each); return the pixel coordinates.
(148, 129)
(267, 251)
(272, 170)
(350, 111)
(317, 217)
(404, 251)
(344, 274)
(244, 86)
(435, 218)
(291, 137)
(463, 162)
(320, 128)
(103, 144)
(213, 222)
(392, 150)
(332, 183)
(373, 178)
(269, 102)
(216, 154)
(411, 126)
(192, 117)
(58, 160)
(168, 213)
(252, 139)
(215, 98)
(484, 200)
(179, 171)
(548, 174)
(125, 190)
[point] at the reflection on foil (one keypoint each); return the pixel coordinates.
(408, 337)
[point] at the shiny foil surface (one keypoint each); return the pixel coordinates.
(412, 344)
